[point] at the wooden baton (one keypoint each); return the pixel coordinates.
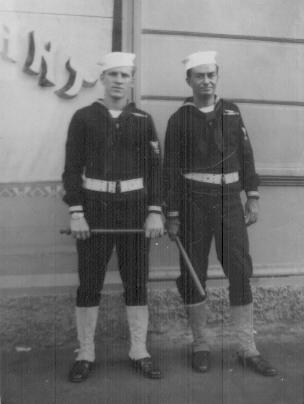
(190, 267)
(106, 231)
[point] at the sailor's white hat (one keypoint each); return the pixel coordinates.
(117, 59)
(200, 58)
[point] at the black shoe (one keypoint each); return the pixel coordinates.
(146, 367)
(259, 365)
(80, 371)
(201, 361)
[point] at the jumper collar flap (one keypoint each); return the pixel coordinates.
(190, 103)
(130, 108)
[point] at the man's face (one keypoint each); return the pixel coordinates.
(203, 80)
(117, 81)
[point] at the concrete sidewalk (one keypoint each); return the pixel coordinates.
(40, 377)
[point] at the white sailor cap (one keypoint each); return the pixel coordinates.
(117, 59)
(200, 58)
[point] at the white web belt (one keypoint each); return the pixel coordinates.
(113, 187)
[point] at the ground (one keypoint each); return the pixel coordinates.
(40, 376)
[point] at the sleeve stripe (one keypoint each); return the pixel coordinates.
(172, 213)
(154, 208)
(255, 194)
(76, 208)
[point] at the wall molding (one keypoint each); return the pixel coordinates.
(31, 189)
(156, 274)
(197, 34)
(55, 188)
(50, 13)
(148, 97)
(282, 181)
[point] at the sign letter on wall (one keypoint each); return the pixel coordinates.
(77, 79)
(40, 60)
(9, 44)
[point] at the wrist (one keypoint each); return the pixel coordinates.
(174, 219)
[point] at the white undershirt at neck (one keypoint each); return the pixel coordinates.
(115, 113)
(207, 109)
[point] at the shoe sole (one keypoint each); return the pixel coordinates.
(77, 380)
(245, 366)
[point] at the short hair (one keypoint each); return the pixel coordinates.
(189, 71)
(133, 71)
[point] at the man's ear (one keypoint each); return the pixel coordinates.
(101, 77)
(187, 81)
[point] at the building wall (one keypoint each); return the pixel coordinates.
(261, 56)
(34, 121)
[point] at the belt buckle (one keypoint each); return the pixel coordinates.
(111, 187)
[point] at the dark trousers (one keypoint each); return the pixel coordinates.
(218, 215)
(95, 252)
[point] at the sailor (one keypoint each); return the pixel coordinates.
(112, 180)
(208, 161)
